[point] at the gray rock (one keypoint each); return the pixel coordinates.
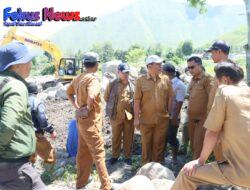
(139, 182)
(61, 92)
(155, 170)
(162, 184)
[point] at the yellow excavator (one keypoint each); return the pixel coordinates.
(65, 68)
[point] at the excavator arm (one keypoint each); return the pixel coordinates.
(45, 45)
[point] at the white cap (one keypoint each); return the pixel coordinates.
(153, 59)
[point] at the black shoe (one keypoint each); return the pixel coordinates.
(128, 161)
(113, 161)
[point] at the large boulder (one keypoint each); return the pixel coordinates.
(111, 67)
(139, 182)
(109, 72)
(162, 184)
(56, 92)
(155, 170)
(61, 92)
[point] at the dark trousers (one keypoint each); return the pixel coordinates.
(172, 136)
(19, 176)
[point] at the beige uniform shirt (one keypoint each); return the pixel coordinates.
(154, 97)
(230, 115)
(84, 85)
(199, 90)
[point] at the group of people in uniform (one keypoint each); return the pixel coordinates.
(218, 106)
(218, 119)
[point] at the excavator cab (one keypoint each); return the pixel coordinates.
(69, 68)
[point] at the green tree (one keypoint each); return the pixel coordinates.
(120, 55)
(108, 52)
(105, 51)
(48, 55)
(178, 51)
(79, 55)
(187, 48)
(136, 56)
(157, 49)
(170, 55)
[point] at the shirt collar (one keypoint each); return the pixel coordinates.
(199, 77)
(150, 77)
(14, 75)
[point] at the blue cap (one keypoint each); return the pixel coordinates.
(124, 67)
(14, 53)
(219, 45)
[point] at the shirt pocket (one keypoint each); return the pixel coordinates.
(197, 91)
(147, 93)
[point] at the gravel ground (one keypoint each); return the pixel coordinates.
(60, 112)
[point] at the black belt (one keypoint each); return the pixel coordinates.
(15, 160)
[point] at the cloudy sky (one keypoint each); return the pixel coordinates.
(86, 7)
(220, 2)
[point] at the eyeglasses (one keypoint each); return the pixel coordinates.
(191, 67)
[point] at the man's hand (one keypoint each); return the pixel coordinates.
(82, 112)
(137, 123)
(53, 135)
(190, 168)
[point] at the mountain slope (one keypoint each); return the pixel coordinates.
(147, 22)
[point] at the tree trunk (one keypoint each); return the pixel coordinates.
(247, 3)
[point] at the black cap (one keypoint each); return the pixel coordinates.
(123, 67)
(219, 45)
(168, 67)
(32, 88)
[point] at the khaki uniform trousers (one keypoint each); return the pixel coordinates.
(43, 150)
(207, 174)
(154, 141)
(196, 136)
(90, 150)
(122, 132)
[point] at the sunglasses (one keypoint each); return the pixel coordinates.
(191, 67)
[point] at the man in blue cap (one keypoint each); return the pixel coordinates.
(17, 136)
(219, 52)
(119, 97)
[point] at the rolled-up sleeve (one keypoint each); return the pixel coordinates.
(138, 92)
(107, 92)
(70, 90)
(216, 116)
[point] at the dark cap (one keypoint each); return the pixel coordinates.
(91, 57)
(14, 53)
(32, 88)
(219, 45)
(124, 68)
(168, 67)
